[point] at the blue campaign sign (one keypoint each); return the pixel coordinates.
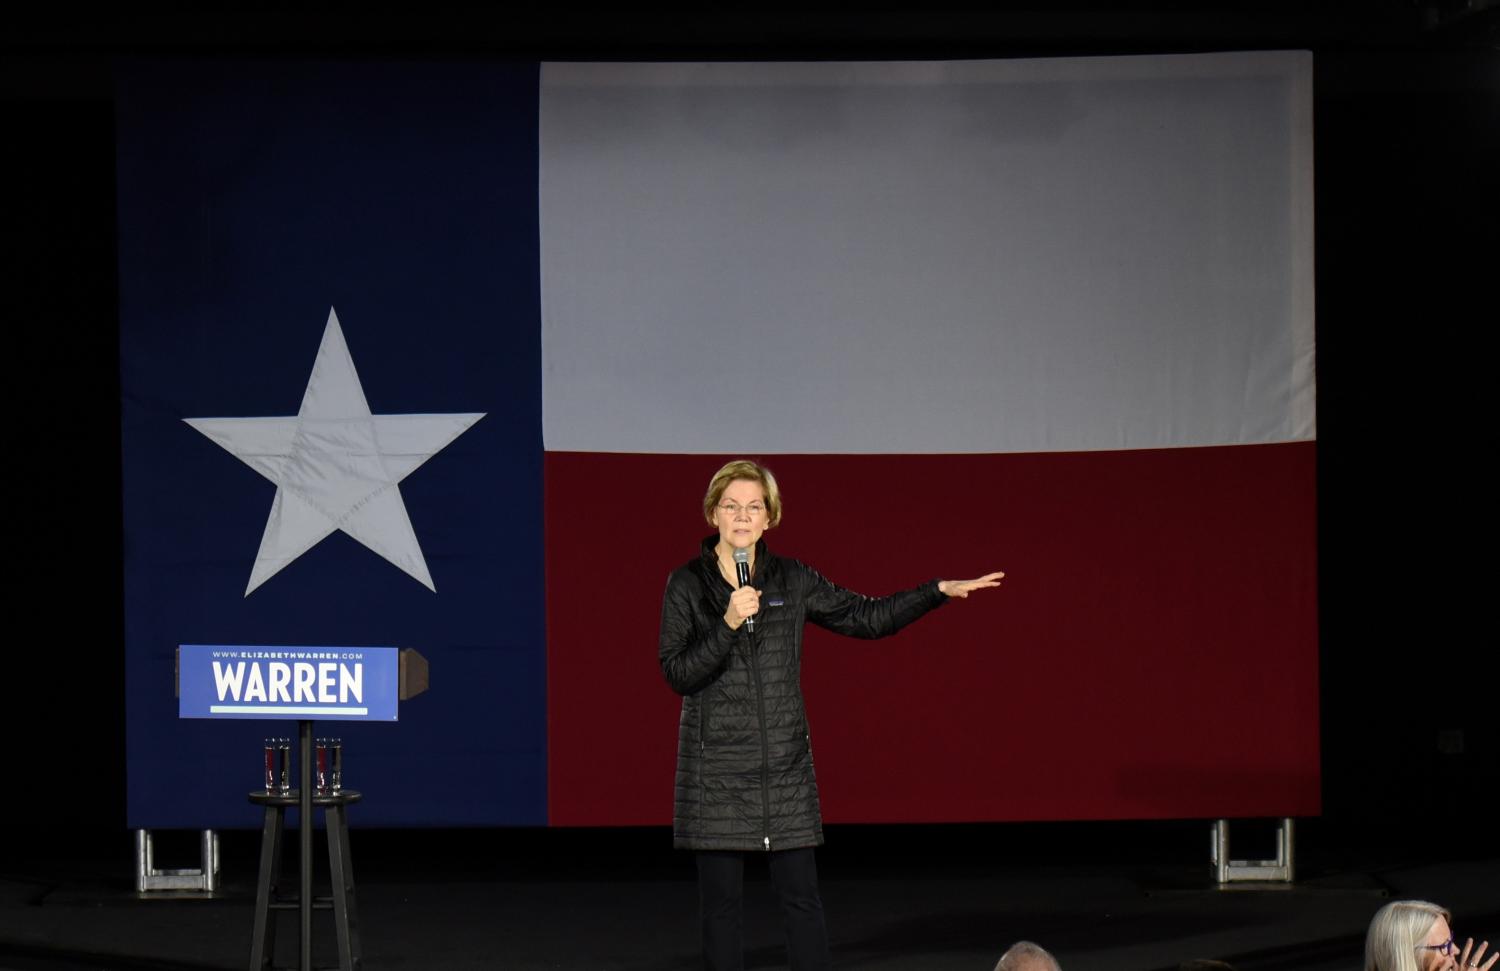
(326, 683)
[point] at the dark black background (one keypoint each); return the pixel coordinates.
(1407, 111)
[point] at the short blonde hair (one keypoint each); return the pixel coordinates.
(1026, 955)
(750, 472)
(1396, 931)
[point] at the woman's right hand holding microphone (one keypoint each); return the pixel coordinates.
(743, 603)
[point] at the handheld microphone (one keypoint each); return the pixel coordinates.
(742, 572)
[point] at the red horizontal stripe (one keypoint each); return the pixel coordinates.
(1152, 653)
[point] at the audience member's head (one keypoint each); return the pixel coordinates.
(1410, 935)
(1026, 956)
(1205, 964)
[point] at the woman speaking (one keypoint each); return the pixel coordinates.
(731, 645)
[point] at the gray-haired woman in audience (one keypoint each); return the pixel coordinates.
(1414, 935)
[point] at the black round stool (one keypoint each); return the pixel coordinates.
(269, 894)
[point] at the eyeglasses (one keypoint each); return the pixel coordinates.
(733, 509)
(1446, 948)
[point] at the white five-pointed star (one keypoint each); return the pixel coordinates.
(336, 466)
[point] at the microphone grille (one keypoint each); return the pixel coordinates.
(741, 555)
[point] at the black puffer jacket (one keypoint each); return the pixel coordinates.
(744, 760)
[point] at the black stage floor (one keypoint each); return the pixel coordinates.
(1103, 897)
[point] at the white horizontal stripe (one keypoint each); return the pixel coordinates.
(923, 258)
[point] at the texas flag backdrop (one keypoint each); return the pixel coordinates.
(442, 356)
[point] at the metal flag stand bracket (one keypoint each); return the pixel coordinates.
(202, 879)
(1280, 870)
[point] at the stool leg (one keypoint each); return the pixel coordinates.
(263, 936)
(341, 876)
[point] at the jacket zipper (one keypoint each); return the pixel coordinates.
(765, 746)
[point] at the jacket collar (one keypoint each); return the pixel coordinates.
(708, 559)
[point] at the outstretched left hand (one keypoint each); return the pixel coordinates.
(962, 588)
